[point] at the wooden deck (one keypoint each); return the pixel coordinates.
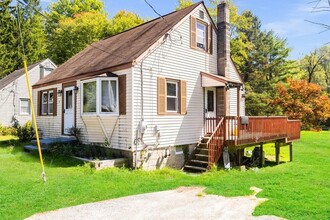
(241, 132)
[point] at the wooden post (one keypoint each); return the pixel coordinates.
(277, 152)
(262, 159)
(291, 155)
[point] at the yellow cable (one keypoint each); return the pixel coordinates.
(43, 175)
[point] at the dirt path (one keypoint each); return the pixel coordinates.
(182, 203)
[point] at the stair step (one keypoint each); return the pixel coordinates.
(201, 155)
(33, 148)
(195, 167)
(200, 161)
(203, 149)
(45, 142)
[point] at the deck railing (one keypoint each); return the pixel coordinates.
(216, 142)
(211, 124)
(255, 129)
(293, 130)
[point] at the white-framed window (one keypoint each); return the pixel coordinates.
(100, 96)
(172, 98)
(201, 35)
(25, 106)
(47, 102)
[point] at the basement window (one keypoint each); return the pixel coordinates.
(100, 96)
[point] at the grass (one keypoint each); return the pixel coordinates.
(296, 190)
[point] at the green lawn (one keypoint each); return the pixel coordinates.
(297, 190)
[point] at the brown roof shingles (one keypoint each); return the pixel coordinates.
(118, 51)
(15, 75)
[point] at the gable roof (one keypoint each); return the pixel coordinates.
(116, 52)
(15, 75)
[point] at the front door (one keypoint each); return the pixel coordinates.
(68, 109)
(210, 103)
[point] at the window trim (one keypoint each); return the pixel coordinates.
(20, 106)
(209, 27)
(205, 46)
(162, 96)
(54, 105)
(98, 81)
(176, 83)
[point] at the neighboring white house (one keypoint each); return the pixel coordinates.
(14, 98)
(148, 90)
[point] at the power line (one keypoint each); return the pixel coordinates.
(155, 11)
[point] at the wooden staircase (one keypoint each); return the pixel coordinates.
(208, 150)
(199, 160)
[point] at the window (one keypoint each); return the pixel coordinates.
(89, 97)
(25, 106)
(100, 96)
(171, 96)
(109, 96)
(201, 35)
(210, 101)
(47, 102)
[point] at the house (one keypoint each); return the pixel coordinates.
(14, 98)
(150, 93)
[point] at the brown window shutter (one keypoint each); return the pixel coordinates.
(39, 103)
(122, 94)
(55, 102)
(209, 39)
(193, 40)
(161, 96)
(183, 97)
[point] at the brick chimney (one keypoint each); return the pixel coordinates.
(223, 40)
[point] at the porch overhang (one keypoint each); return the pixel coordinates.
(212, 80)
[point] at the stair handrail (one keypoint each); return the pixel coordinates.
(215, 130)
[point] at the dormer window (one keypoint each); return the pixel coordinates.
(201, 35)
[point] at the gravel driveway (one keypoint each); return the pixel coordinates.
(182, 203)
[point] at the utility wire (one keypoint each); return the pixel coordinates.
(155, 11)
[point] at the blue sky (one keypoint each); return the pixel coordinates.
(285, 17)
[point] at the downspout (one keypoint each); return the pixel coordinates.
(142, 116)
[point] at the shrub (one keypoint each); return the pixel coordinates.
(7, 130)
(25, 132)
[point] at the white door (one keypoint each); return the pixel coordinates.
(68, 109)
(210, 103)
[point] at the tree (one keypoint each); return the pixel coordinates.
(62, 9)
(32, 35)
(304, 101)
(74, 34)
(124, 20)
(8, 39)
(183, 4)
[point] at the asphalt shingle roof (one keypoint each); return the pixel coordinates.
(115, 51)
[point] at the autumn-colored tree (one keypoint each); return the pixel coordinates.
(304, 101)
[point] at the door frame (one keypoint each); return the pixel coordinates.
(214, 89)
(65, 85)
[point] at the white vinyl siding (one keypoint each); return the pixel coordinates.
(174, 60)
(10, 96)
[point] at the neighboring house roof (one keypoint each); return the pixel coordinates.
(15, 75)
(116, 52)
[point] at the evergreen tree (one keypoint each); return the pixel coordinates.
(32, 33)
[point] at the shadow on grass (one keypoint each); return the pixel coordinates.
(15, 147)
